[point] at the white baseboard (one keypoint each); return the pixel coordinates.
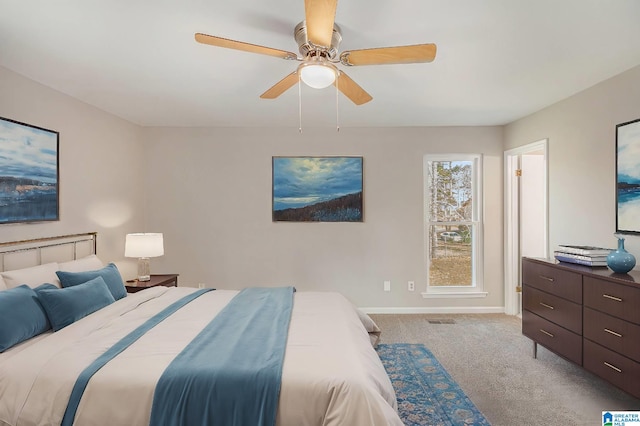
(436, 310)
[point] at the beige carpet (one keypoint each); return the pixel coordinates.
(492, 362)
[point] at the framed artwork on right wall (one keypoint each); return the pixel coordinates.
(628, 177)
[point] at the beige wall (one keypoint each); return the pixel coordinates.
(581, 133)
(209, 192)
(100, 174)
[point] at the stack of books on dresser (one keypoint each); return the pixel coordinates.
(582, 255)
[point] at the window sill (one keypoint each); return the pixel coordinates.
(454, 295)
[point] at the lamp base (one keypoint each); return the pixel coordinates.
(144, 270)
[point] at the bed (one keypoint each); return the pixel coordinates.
(330, 372)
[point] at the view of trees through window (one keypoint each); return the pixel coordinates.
(450, 222)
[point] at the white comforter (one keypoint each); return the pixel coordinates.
(331, 374)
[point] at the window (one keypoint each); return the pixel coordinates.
(453, 224)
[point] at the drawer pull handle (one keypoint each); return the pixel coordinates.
(547, 333)
(547, 306)
(612, 367)
(546, 278)
(613, 332)
(617, 299)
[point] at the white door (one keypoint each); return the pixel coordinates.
(526, 214)
(532, 206)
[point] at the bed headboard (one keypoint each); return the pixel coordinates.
(37, 251)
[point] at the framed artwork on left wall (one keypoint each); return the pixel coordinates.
(29, 173)
(628, 177)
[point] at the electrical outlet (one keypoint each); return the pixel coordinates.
(387, 286)
(411, 286)
(200, 285)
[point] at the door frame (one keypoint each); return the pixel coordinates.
(512, 260)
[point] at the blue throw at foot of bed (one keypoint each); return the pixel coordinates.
(230, 374)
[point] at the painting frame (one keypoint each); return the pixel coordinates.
(628, 177)
(317, 189)
(30, 184)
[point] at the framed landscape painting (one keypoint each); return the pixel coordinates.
(29, 175)
(628, 177)
(317, 189)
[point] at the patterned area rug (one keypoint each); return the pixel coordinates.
(426, 394)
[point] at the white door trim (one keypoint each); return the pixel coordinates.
(512, 220)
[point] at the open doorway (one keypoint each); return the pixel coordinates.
(526, 215)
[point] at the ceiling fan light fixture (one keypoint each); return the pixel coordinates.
(317, 75)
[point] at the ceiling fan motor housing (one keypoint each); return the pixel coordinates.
(309, 50)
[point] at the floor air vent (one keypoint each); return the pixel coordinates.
(441, 321)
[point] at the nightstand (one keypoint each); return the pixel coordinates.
(167, 280)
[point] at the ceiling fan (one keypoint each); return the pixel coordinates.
(318, 38)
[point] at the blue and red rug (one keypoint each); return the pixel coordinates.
(426, 393)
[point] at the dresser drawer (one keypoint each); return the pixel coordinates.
(553, 308)
(613, 333)
(553, 337)
(612, 367)
(618, 300)
(553, 280)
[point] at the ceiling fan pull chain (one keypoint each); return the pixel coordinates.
(337, 102)
(299, 104)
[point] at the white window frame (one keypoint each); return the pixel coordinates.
(477, 257)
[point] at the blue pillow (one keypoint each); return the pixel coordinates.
(65, 306)
(21, 316)
(44, 286)
(109, 273)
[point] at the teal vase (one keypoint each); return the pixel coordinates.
(620, 260)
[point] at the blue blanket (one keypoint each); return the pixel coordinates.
(230, 374)
(83, 380)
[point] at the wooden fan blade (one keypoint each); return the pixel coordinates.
(280, 87)
(239, 45)
(390, 55)
(320, 16)
(351, 89)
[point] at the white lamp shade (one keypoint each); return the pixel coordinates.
(144, 245)
(318, 76)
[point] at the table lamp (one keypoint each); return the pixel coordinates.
(143, 246)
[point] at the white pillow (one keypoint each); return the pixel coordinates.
(89, 263)
(3, 286)
(372, 328)
(33, 277)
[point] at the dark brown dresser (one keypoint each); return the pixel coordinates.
(590, 316)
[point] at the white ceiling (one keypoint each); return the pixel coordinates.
(497, 60)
